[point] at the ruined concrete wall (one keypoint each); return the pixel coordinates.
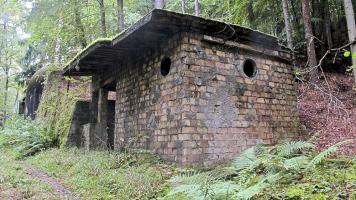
(33, 97)
(226, 110)
(206, 110)
(80, 117)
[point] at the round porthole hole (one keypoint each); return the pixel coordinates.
(249, 68)
(165, 66)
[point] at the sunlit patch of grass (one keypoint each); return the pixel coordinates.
(98, 174)
(15, 183)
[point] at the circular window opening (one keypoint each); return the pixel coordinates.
(249, 68)
(165, 66)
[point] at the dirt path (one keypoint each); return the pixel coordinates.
(58, 187)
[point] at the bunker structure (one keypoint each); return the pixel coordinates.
(193, 90)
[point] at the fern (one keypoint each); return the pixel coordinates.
(253, 190)
(296, 163)
(192, 192)
(289, 148)
(246, 160)
(327, 152)
(257, 169)
(224, 189)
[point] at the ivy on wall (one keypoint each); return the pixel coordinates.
(57, 104)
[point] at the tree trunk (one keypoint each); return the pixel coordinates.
(287, 25)
(309, 37)
(159, 4)
(250, 14)
(183, 6)
(102, 18)
(197, 8)
(351, 29)
(79, 25)
(327, 24)
(16, 103)
(120, 15)
(7, 70)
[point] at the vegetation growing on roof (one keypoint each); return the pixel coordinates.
(57, 105)
(92, 44)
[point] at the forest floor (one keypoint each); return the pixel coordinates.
(329, 111)
(16, 183)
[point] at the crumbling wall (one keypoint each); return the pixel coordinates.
(206, 110)
(34, 93)
(229, 111)
(80, 117)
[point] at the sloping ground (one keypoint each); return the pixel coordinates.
(16, 184)
(329, 114)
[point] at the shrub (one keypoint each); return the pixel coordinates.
(26, 137)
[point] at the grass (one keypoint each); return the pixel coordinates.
(100, 175)
(292, 170)
(15, 183)
(334, 179)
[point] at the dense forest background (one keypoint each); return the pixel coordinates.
(48, 33)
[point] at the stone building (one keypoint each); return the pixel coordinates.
(193, 90)
(31, 101)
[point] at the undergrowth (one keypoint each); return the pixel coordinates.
(291, 170)
(103, 175)
(16, 184)
(26, 137)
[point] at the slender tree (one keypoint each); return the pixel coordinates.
(183, 6)
(159, 4)
(79, 26)
(327, 23)
(309, 37)
(287, 25)
(120, 15)
(351, 28)
(197, 7)
(102, 18)
(6, 69)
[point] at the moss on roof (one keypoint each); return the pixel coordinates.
(111, 40)
(93, 43)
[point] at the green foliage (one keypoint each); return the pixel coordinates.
(258, 170)
(290, 148)
(25, 136)
(327, 152)
(100, 175)
(14, 182)
(57, 105)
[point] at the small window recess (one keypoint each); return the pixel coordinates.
(165, 66)
(249, 68)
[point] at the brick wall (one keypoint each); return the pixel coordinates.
(148, 104)
(225, 111)
(206, 110)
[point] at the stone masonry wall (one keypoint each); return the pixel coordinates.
(225, 111)
(205, 111)
(148, 104)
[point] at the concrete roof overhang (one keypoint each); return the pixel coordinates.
(154, 28)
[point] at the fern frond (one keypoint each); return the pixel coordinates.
(327, 152)
(246, 160)
(296, 163)
(289, 148)
(188, 178)
(224, 189)
(192, 192)
(253, 190)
